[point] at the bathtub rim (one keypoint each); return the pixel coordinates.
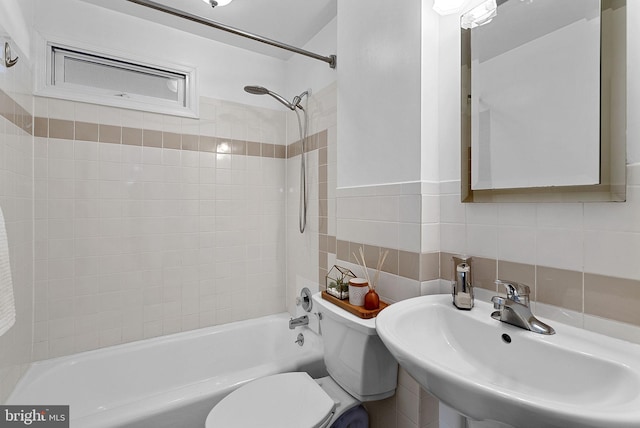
(172, 397)
(167, 338)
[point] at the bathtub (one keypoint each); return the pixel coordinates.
(170, 381)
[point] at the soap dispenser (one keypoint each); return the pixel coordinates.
(462, 287)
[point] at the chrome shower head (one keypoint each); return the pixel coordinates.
(259, 90)
(256, 90)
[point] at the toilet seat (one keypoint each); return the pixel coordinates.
(285, 400)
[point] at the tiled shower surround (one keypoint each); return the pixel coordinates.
(148, 224)
(16, 200)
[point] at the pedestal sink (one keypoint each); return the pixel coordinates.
(490, 370)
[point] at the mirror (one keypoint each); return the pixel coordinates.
(544, 102)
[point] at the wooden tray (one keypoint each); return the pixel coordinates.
(358, 311)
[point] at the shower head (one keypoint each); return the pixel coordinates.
(256, 90)
(259, 90)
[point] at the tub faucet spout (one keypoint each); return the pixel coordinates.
(298, 322)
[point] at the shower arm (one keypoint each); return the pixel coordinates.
(331, 59)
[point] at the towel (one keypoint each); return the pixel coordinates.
(7, 303)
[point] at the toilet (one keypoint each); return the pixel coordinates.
(360, 369)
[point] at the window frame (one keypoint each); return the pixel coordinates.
(53, 51)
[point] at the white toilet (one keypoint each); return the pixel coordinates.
(360, 369)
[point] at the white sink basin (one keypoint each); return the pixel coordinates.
(490, 370)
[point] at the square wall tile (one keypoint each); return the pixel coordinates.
(429, 266)
(612, 253)
(482, 240)
(559, 215)
(560, 248)
(484, 273)
(517, 244)
(613, 298)
(559, 287)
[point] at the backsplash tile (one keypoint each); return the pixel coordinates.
(485, 273)
(518, 272)
(613, 298)
(409, 265)
(559, 287)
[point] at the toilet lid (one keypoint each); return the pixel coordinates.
(286, 400)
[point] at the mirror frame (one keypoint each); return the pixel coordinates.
(613, 125)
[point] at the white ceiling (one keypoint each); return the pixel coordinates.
(293, 22)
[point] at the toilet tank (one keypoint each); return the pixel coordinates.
(354, 355)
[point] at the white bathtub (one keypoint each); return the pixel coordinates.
(171, 381)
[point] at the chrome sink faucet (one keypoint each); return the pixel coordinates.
(298, 322)
(514, 309)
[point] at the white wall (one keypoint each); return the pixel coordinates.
(448, 115)
(430, 91)
(16, 18)
(303, 73)
(379, 96)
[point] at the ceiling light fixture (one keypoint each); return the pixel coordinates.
(476, 12)
(447, 7)
(215, 3)
(479, 15)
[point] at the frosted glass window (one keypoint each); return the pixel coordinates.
(113, 81)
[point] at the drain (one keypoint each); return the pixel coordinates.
(506, 338)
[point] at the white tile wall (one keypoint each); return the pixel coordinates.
(16, 201)
(134, 242)
(387, 215)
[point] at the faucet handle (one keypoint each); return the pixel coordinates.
(498, 302)
(516, 291)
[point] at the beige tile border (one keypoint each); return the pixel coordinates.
(559, 287)
(14, 113)
(416, 266)
(484, 272)
(317, 141)
(613, 298)
(518, 272)
(110, 134)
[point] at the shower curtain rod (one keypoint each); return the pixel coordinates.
(331, 59)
